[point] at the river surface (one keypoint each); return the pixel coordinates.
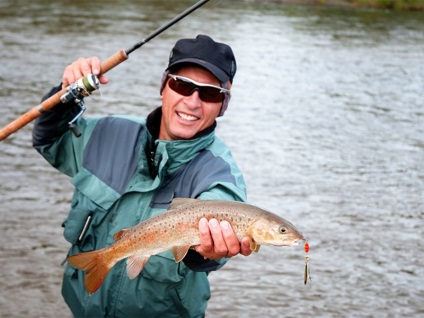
(326, 122)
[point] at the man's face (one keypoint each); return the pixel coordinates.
(184, 116)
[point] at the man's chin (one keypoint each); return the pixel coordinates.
(183, 133)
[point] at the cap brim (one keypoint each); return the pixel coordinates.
(206, 65)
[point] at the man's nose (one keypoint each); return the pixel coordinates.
(194, 98)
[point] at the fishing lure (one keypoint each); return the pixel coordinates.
(307, 272)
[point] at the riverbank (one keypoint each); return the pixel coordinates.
(383, 4)
(413, 5)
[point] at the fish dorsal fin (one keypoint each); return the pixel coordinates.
(180, 252)
(253, 246)
(180, 201)
(120, 234)
(135, 264)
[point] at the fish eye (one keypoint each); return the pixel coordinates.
(282, 230)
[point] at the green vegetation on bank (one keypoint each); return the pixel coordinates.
(382, 4)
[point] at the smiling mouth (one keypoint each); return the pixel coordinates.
(187, 117)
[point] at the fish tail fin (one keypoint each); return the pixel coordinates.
(96, 265)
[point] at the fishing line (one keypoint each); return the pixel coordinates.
(209, 6)
(213, 5)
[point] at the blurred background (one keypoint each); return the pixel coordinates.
(326, 122)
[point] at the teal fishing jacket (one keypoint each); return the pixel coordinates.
(123, 175)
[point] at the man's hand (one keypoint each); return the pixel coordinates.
(219, 240)
(80, 68)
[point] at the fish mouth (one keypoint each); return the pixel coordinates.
(298, 241)
(290, 242)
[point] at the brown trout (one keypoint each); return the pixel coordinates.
(178, 229)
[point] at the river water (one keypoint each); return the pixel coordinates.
(326, 122)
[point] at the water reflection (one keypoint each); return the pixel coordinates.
(326, 122)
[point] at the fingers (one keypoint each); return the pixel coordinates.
(206, 242)
(231, 241)
(245, 247)
(76, 70)
(219, 247)
(80, 68)
(218, 240)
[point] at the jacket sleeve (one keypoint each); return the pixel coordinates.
(52, 138)
(197, 263)
(53, 123)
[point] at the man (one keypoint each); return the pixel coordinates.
(128, 169)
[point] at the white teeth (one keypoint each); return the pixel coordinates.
(187, 117)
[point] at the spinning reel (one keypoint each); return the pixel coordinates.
(76, 92)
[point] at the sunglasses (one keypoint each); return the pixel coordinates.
(207, 93)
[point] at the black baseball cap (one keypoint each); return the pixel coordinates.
(203, 51)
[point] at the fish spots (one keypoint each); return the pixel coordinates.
(183, 227)
(150, 237)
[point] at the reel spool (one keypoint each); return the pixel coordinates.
(76, 92)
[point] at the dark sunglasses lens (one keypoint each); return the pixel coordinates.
(181, 87)
(212, 95)
(207, 94)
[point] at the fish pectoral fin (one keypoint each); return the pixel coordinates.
(253, 246)
(180, 252)
(120, 234)
(180, 201)
(135, 264)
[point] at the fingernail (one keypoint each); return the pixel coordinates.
(213, 222)
(225, 225)
(203, 222)
(96, 71)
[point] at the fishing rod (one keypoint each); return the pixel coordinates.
(87, 85)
